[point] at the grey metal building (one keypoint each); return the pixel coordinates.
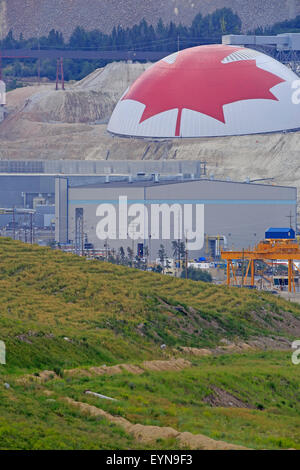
(149, 212)
(23, 182)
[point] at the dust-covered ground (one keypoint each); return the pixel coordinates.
(46, 124)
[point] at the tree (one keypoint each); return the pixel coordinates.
(168, 265)
(204, 29)
(197, 275)
(146, 255)
(196, 27)
(160, 29)
(130, 255)
(55, 39)
(162, 257)
(122, 255)
(175, 247)
(78, 38)
(182, 251)
(9, 42)
(157, 269)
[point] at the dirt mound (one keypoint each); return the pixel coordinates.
(221, 398)
(171, 365)
(40, 377)
(90, 100)
(197, 352)
(200, 442)
(118, 369)
(148, 434)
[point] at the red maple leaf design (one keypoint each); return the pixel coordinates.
(199, 81)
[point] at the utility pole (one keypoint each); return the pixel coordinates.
(82, 238)
(31, 228)
(60, 68)
(243, 260)
(39, 63)
(186, 258)
(57, 74)
(131, 232)
(62, 73)
(178, 245)
(14, 222)
(106, 246)
(290, 217)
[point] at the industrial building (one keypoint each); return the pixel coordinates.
(284, 47)
(210, 91)
(27, 184)
(149, 211)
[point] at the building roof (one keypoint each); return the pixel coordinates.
(282, 230)
(209, 91)
(152, 183)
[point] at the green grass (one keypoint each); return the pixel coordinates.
(112, 314)
(267, 382)
(59, 311)
(32, 421)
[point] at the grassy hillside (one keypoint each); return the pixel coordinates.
(59, 311)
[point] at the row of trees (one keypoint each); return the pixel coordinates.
(203, 28)
(127, 258)
(143, 36)
(288, 26)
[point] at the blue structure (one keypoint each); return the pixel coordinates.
(280, 234)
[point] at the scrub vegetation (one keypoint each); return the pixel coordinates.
(60, 312)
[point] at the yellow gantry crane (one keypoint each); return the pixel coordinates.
(280, 244)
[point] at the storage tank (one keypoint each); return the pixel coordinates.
(209, 91)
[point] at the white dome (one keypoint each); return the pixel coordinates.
(208, 91)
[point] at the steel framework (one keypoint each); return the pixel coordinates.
(16, 211)
(267, 250)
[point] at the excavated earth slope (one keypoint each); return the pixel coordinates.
(45, 124)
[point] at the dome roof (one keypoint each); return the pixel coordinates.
(207, 91)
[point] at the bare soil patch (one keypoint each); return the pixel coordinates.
(222, 398)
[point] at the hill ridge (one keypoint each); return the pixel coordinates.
(38, 17)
